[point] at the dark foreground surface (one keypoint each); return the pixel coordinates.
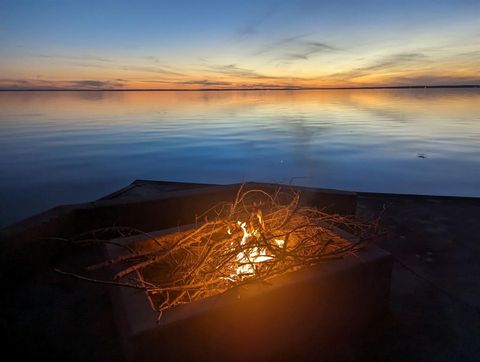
(435, 292)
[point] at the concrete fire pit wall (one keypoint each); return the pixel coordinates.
(180, 208)
(27, 242)
(151, 212)
(310, 313)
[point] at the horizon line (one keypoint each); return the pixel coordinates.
(232, 89)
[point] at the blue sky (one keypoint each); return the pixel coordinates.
(222, 44)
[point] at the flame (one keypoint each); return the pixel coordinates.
(260, 219)
(246, 234)
(249, 258)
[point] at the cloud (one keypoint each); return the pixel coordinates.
(152, 58)
(278, 44)
(201, 82)
(309, 49)
(150, 69)
(436, 80)
(42, 84)
(7, 83)
(387, 63)
(394, 60)
(263, 85)
(134, 68)
(74, 57)
(235, 70)
(96, 84)
(204, 82)
(90, 61)
(295, 48)
(418, 67)
(253, 24)
(15, 81)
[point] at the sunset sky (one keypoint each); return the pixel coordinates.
(102, 44)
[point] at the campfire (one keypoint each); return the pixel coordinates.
(250, 240)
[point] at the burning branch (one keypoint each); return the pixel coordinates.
(256, 237)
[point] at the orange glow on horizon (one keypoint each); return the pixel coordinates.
(380, 71)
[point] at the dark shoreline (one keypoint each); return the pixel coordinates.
(468, 86)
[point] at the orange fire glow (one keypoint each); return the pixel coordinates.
(251, 256)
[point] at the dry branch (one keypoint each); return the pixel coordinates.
(256, 237)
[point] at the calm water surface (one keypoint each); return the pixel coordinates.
(66, 147)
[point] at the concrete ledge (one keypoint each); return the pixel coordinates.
(145, 209)
(181, 207)
(303, 314)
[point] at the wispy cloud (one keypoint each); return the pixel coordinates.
(204, 82)
(386, 63)
(279, 44)
(97, 84)
(252, 79)
(267, 85)
(74, 57)
(9, 83)
(90, 61)
(308, 49)
(152, 58)
(295, 48)
(252, 25)
(235, 70)
(435, 80)
(416, 67)
(395, 60)
(150, 69)
(41, 84)
(200, 82)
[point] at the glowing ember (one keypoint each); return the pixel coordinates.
(249, 258)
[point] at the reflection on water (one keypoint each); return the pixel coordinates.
(65, 147)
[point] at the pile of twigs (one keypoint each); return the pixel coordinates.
(256, 237)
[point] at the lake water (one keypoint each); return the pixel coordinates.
(67, 147)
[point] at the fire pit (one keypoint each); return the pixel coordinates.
(256, 278)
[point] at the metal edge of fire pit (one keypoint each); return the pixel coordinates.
(331, 300)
